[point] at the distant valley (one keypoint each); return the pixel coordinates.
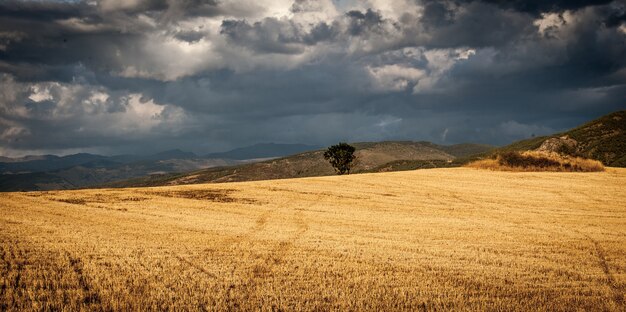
(50, 172)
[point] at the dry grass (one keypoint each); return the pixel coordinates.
(445, 239)
(530, 161)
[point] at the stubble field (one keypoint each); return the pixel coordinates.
(441, 239)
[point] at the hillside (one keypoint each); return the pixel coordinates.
(603, 139)
(453, 239)
(371, 157)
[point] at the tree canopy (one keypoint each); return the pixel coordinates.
(341, 157)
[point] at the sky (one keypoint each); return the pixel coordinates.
(140, 76)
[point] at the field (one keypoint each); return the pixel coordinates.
(440, 239)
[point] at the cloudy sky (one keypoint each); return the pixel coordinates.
(134, 76)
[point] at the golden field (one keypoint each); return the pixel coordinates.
(440, 239)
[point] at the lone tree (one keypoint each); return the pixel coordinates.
(340, 156)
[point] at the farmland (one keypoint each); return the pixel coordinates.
(460, 238)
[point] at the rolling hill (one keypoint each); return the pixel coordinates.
(603, 139)
(371, 157)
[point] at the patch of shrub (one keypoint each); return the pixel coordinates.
(537, 161)
(222, 196)
(515, 159)
(75, 201)
(568, 150)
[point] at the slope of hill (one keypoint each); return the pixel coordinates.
(603, 139)
(371, 157)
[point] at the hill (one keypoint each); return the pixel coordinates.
(371, 157)
(602, 139)
(455, 239)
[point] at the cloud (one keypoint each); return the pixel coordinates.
(539, 6)
(395, 77)
(518, 131)
(210, 75)
(52, 114)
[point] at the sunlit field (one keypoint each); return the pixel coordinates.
(461, 239)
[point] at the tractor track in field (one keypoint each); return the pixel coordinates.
(618, 292)
(264, 264)
(91, 296)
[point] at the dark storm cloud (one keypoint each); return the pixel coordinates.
(51, 36)
(437, 13)
(267, 36)
(42, 11)
(476, 25)
(364, 22)
(313, 89)
(122, 76)
(616, 17)
(173, 9)
(272, 35)
(539, 6)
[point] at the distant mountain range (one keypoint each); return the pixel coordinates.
(48, 172)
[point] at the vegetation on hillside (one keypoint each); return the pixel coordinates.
(602, 139)
(537, 161)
